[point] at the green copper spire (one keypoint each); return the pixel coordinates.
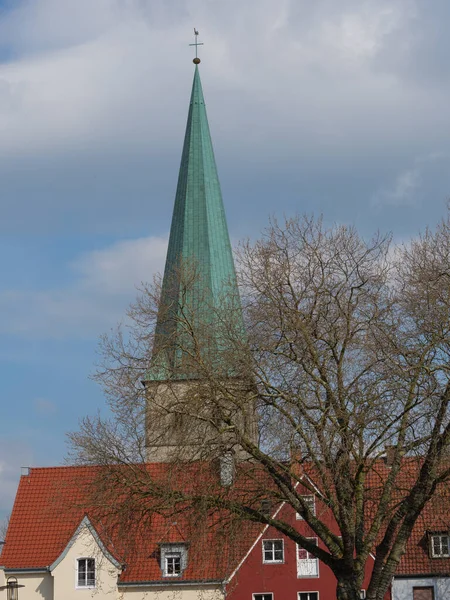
(199, 277)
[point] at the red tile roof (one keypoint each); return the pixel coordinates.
(435, 516)
(51, 503)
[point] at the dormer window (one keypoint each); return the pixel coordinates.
(173, 559)
(440, 545)
(172, 564)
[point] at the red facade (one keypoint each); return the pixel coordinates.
(297, 572)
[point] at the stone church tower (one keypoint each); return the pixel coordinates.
(199, 293)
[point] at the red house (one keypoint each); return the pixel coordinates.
(275, 568)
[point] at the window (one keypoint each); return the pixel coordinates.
(266, 507)
(174, 559)
(440, 546)
(307, 564)
(423, 593)
(263, 596)
(86, 572)
(273, 551)
(311, 502)
(172, 567)
(362, 594)
(308, 596)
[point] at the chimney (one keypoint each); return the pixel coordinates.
(226, 469)
(391, 449)
(296, 460)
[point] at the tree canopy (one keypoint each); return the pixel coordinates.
(345, 363)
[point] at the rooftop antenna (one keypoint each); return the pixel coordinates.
(196, 60)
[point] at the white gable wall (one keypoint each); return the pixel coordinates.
(65, 572)
(402, 588)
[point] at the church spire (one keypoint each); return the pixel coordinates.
(199, 241)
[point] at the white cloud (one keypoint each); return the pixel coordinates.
(357, 34)
(90, 73)
(118, 269)
(104, 284)
(93, 101)
(404, 189)
(402, 192)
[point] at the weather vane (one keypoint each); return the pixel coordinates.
(196, 60)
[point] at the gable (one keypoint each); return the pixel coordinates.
(86, 542)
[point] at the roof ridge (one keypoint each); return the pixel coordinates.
(61, 467)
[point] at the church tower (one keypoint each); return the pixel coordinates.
(199, 310)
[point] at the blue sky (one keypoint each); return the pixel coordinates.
(337, 108)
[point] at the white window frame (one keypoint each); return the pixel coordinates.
(274, 561)
(174, 554)
(298, 516)
(77, 569)
(261, 594)
(170, 550)
(297, 559)
(309, 592)
(440, 535)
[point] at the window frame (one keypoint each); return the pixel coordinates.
(85, 586)
(174, 554)
(274, 561)
(173, 550)
(425, 587)
(309, 557)
(254, 594)
(298, 516)
(308, 592)
(440, 536)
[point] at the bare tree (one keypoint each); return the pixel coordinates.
(345, 354)
(4, 528)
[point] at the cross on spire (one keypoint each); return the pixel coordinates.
(196, 44)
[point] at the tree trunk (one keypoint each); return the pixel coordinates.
(348, 588)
